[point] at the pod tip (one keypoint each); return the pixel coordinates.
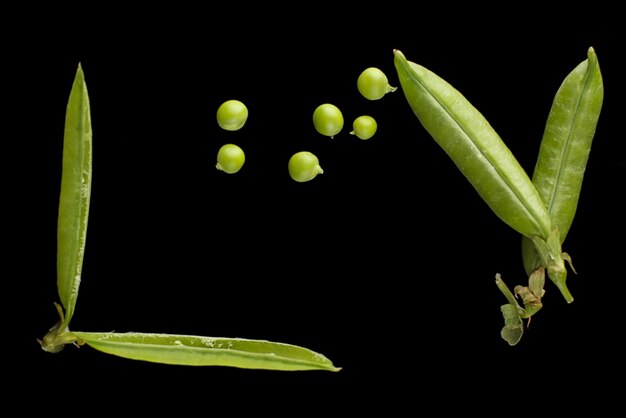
(565, 291)
(397, 54)
(591, 52)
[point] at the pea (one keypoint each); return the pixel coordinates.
(232, 115)
(373, 84)
(230, 158)
(328, 119)
(304, 166)
(364, 127)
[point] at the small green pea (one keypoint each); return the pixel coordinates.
(328, 119)
(364, 127)
(373, 84)
(304, 166)
(230, 158)
(232, 115)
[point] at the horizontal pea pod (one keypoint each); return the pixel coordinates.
(476, 149)
(190, 350)
(565, 148)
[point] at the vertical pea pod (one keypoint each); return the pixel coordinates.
(75, 194)
(563, 157)
(475, 148)
(73, 209)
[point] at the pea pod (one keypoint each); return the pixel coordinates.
(191, 350)
(73, 209)
(476, 149)
(75, 193)
(565, 149)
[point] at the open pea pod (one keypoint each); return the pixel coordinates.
(475, 148)
(564, 153)
(207, 351)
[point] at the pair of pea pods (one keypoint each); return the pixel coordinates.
(542, 210)
(188, 350)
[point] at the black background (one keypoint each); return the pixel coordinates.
(385, 263)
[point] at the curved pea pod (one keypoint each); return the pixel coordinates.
(563, 155)
(476, 149)
(189, 350)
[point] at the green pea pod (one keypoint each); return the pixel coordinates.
(476, 149)
(75, 193)
(191, 350)
(73, 209)
(565, 149)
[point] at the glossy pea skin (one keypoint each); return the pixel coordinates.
(230, 158)
(328, 119)
(364, 127)
(304, 166)
(232, 115)
(373, 84)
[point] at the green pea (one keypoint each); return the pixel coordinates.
(232, 115)
(230, 158)
(328, 119)
(364, 127)
(304, 166)
(373, 84)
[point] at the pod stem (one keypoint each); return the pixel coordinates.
(59, 335)
(553, 259)
(560, 284)
(505, 291)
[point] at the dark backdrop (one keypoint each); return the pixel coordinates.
(385, 263)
